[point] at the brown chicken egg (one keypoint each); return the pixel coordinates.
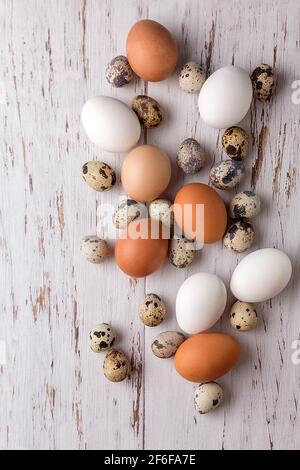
(151, 51)
(200, 212)
(142, 248)
(206, 356)
(146, 173)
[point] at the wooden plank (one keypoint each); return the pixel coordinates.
(260, 409)
(54, 394)
(52, 58)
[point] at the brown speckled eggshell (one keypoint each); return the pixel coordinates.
(166, 344)
(115, 366)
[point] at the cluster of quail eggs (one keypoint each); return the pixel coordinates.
(116, 364)
(191, 158)
(152, 312)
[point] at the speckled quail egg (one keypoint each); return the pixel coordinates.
(191, 77)
(264, 82)
(115, 366)
(239, 237)
(162, 210)
(166, 344)
(181, 252)
(127, 211)
(236, 143)
(208, 397)
(94, 249)
(243, 316)
(244, 205)
(147, 110)
(190, 156)
(102, 337)
(118, 71)
(99, 175)
(152, 310)
(227, 174)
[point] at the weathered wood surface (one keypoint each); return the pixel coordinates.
(53, 395)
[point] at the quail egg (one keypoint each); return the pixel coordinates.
(99, 175)
(102, 337)
(127, 211)
(236, 143)
(244, 205)
(181, 252)
(207, 397)
(227, 174)
(264, 82)
(239, 237)
(115, 366)
(190, 156)
(152, 310)
(162, 210)
(166, 344)
(94, 249)
(148, 111)
(118, 71)
(191, 77)
(243, 316)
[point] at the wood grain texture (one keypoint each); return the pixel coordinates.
(53, 395)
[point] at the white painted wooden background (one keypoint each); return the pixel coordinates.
(53, 394)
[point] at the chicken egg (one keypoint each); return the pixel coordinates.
(151, 51)
(206, 356)
(200, 212)
(261, 275)
(146, 173)
(110, 124)
(200, 302)
(225, 97)
(142, 248)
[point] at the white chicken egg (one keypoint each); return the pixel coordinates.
(261, 275)
(200, 302)
(110, 124)
(225, 97)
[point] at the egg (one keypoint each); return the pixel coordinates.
(118, 72)
(264, 82)
(162, 210)
(181, 252)
(142, 248)
(261, 275)
(146, 173)
(116, 366)
(110, 124)
(166, 344)
(99, 175)
(245, 204)
(225, 97)
(127, 211)
(151, 51)
(208, 397)
(227, 174)
(236, 143)
(102, 337)
(152, 310)
(190, 157)
(94, 249)
(191, 77)
(206, 356)
(200, 302)
(200, 212)
(243, 316)
(148, 111)
(239, 237)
